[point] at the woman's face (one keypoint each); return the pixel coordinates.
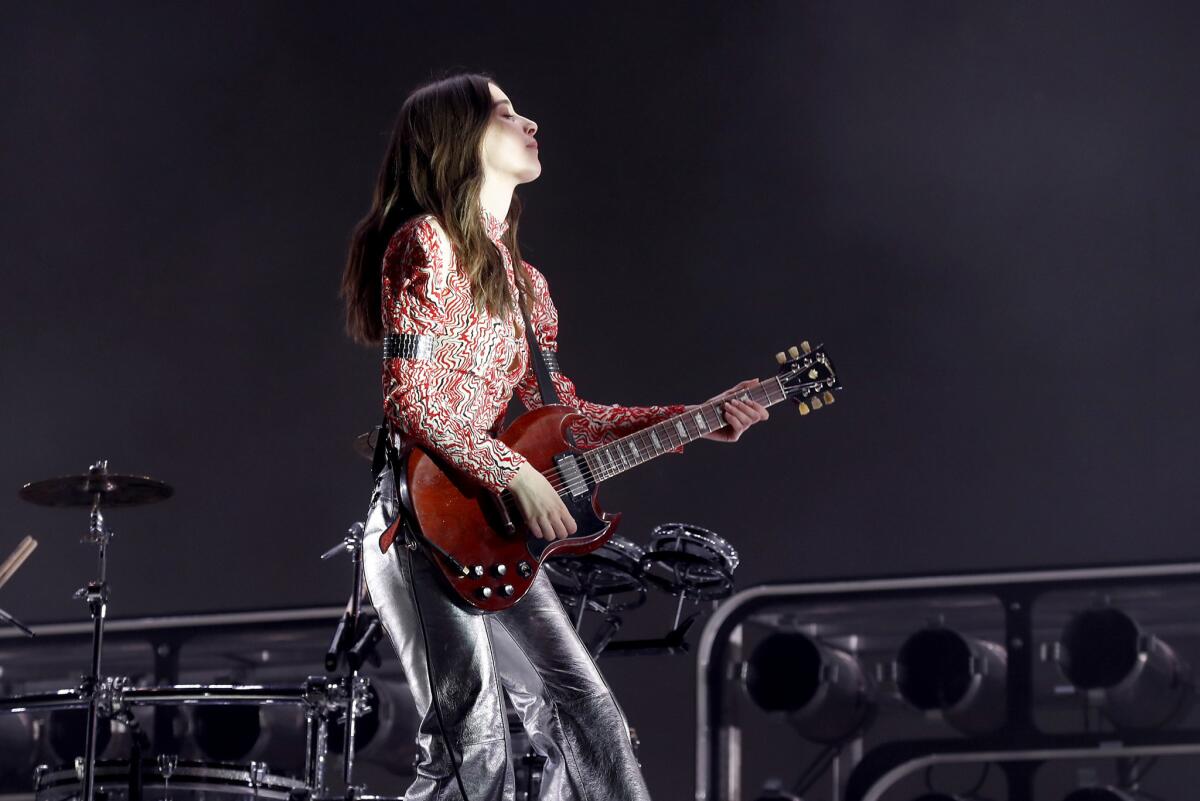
(509, 150)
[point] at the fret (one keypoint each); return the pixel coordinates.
(642, 446)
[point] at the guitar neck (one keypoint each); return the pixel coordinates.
(653, 441)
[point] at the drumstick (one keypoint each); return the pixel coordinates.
(16, 559)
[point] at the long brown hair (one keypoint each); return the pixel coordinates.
(433, 167)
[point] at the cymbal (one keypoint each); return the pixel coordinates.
(81, 490)
(364, 444)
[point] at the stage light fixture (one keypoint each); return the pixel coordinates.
(1145, 684)
(823, 690)
(963, 677)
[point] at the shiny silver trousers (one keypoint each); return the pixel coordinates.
(456, 661)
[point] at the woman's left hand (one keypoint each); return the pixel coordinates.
(740, 414)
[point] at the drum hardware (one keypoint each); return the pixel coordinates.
(354, 642)
(320, 696)
(166, 766)
(331, 699)
(690, 562)
(96, 489)
(612, 572)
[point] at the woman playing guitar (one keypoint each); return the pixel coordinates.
(434, 273)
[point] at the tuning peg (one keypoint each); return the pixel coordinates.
(794, 352)
(804, 408)
(804, 346)
(829, 398)
(781, 357)
(816, 402)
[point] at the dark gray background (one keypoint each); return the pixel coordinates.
(986, 210)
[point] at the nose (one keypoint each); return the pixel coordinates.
(530, 127)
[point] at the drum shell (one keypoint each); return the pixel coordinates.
(18, 747)
(113, 740)
(281, 740)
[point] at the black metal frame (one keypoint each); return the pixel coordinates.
(1019, 748)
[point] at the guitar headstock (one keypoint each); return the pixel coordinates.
(806, 375)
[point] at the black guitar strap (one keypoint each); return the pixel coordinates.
(545, 384)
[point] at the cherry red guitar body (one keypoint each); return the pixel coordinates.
(480, 541)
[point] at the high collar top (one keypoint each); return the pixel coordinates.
(496, 226)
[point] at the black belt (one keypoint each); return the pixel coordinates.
(421, 346)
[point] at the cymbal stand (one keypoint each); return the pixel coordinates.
(354, 642)
(95, 594)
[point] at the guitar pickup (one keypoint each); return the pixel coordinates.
(572, 475)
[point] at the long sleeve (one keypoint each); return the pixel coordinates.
(601, 423)
(440, 402)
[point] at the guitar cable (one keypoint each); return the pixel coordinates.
(385, 452)
(433, 692)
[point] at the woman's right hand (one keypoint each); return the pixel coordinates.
(543, 509)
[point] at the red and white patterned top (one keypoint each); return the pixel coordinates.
(448, 403)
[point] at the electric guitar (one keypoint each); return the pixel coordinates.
(479, 539)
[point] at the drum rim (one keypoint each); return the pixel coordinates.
(698, 535)
(227, 773)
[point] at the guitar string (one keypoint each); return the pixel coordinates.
(508, 500)
(564, 485)
(561, 485)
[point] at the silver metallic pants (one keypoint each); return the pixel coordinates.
(456, 661)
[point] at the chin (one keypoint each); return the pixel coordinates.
(528, 175)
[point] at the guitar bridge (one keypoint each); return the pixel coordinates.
(572, 475)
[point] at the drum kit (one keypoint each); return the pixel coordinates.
(324, 704)
(680, 560)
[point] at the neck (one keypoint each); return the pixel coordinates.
(630, 451)
(495, 196)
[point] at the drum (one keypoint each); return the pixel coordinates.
(161, 780)
(690, 561)
(235, 724)
(613, 569)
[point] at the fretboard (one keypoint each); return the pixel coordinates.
(640, 447)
